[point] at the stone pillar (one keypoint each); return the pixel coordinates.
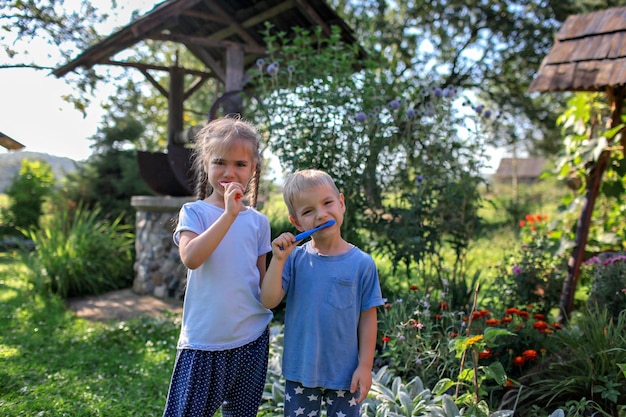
(158, 269)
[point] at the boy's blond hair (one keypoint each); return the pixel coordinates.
(300, 181)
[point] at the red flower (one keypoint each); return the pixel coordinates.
(539, 316)
(484, 355)
(523, 314)
(540, 325)
(507, 320)
(414, 288)
(386, 339)
(437, 316)
(492, 322)
(443, 305)
(519, 361)
(453, 335)
(530, 354)
(512, 311)
(387, 306)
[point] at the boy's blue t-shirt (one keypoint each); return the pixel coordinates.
(325, 296)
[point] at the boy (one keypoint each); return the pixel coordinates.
(332, 292)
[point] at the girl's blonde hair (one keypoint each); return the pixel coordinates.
(300, 181)
(213, 140)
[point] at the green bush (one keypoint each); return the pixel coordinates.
(26, 197)
(77, 253)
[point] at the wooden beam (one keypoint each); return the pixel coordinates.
(140, 66)
(205, 42)
(155, 83)
(233, 24)
(195, 85)
(315, 18)
(209, 61)
(259, 18)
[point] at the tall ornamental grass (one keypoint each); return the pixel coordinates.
(77, 253)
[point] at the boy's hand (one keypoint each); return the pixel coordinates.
(361, 382)
(282, 246)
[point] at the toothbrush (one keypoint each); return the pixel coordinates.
(308, 233)
(224, 184)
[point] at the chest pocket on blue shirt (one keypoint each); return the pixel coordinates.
(342, 293)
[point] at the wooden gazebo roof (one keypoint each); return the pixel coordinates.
(589, 54)
(208, 28)
(9, 143)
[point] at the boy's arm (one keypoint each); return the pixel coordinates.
(272, 284)
(367, 332)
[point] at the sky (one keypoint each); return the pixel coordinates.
(34, 113)
(32, 108)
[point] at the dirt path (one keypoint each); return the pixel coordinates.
(121, 305)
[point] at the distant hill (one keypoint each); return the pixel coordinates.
(11, 162)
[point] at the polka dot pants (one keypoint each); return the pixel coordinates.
(307, 402)
(203, 381)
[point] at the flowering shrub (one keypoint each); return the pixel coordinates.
(535, 273)
(608, 288)
(419, 335)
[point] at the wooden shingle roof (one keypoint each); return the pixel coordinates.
(589, 54)
(522, 168)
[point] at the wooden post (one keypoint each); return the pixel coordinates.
(234, 80)
(566, 304)
(175, 103)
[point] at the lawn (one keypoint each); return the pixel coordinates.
(54, 364)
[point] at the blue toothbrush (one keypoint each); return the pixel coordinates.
(308, 233)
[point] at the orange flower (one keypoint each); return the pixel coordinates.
(413, 288)
(539, 316)
(443, 305)
(492, 322)
(507, 320)
(523, 314)
(530, 354)
(486, 354)
(512, 311)
(437, 316)
(522, 223)
(540, 325)
(529, 218)
(557, 326)
(519, 361)
(453, 335)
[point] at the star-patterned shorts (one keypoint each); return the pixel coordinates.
(308, 402)
(205, 380)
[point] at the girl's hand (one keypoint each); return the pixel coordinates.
(233, 193)
(282, 246)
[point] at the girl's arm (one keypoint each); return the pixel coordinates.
(194, 249)
(367, 331)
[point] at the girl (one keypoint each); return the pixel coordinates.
(224, 339)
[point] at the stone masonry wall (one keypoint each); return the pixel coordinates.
(158, 269)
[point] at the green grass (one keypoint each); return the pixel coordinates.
(55, 364)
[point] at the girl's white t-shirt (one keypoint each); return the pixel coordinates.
(222, 307)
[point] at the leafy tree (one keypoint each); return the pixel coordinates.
(391, 143)
(27, 193)
(490, 47)
(110, 177)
